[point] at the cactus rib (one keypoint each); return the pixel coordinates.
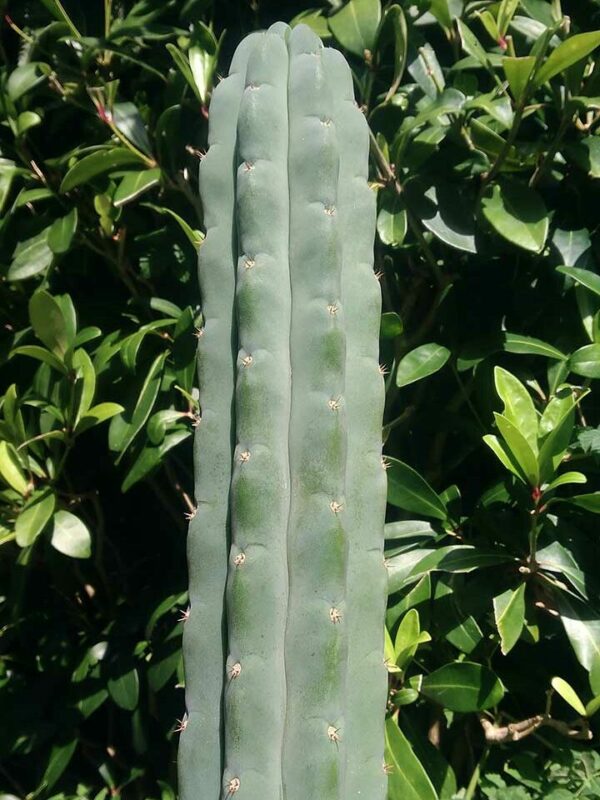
(366, 688)
(317, 540)
(255, 695)
(200, 748)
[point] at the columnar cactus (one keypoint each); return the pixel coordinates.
(285, 681)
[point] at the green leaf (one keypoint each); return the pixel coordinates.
(509, 613)
(586, 154)
(392, 222)
(70, 536)
(569, 695)
(315, 21)
(517, 213)
(128, 121)
(124, 687)
(459, 558)
(34, 518)
(135, 184)
(98, 414)
(519, 447)
(27, 120)
(451, 222)
(555, 557)
(586, 361)
(143, 406)
(60, 757)
(471, 45)
(48, 322)
(407, 780)
(505, 14)
(518, 72)
(195, 236)
(566, 478)
(504, 455)
(203, 56)
(463, 686)
(408, 490)
(56, 8)
(183, 66)
(585, 277)
(86, 382)
(11, 470)
(582, 627)
(391, 325)
(528, 345)
(152, 457)
(593, 706)
(518, 405)
(404, 697)
(566, 54)
(394, 28)
(421, 362)
(590, 502)
(40, 354)
(355, 25)
(96, 164)
(24, 78)
(408, 638)
(31, 257)
(62, 231)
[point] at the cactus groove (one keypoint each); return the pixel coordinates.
(283, 648)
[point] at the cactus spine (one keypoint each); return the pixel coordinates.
(283, 647)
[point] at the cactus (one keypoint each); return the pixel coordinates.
(283, 647)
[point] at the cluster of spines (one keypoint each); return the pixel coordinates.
(294, 534)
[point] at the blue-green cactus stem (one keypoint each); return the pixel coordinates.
(315, 643)
(201, 747)
(257, 590)
(366, 688)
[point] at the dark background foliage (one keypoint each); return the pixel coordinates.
(487, 247)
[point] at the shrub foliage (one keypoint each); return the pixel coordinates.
(486, 160)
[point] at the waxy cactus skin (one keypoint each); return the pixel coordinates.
(283, 648)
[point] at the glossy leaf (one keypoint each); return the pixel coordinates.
(509, 614)
(407, 780)
(70, 536)
(582, 626)
(568, 53)
(49, 323)
(95, 164)
(124, 686)
(31, 257)
(142, 408)
(518, 405)
(408, 490)
(62, 231)
(135, 184)
(568, 694)
(11, 470)
(420, 363)
(463, 686)
(34, 518)
(517, 213)
(355, 25)
(586, 361)
(392, 222)
(518, 72)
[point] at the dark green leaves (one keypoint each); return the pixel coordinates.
(516, 213)
(407, 779)
(355, 25)
(463, 686)
(408, 490)
(420, 363)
